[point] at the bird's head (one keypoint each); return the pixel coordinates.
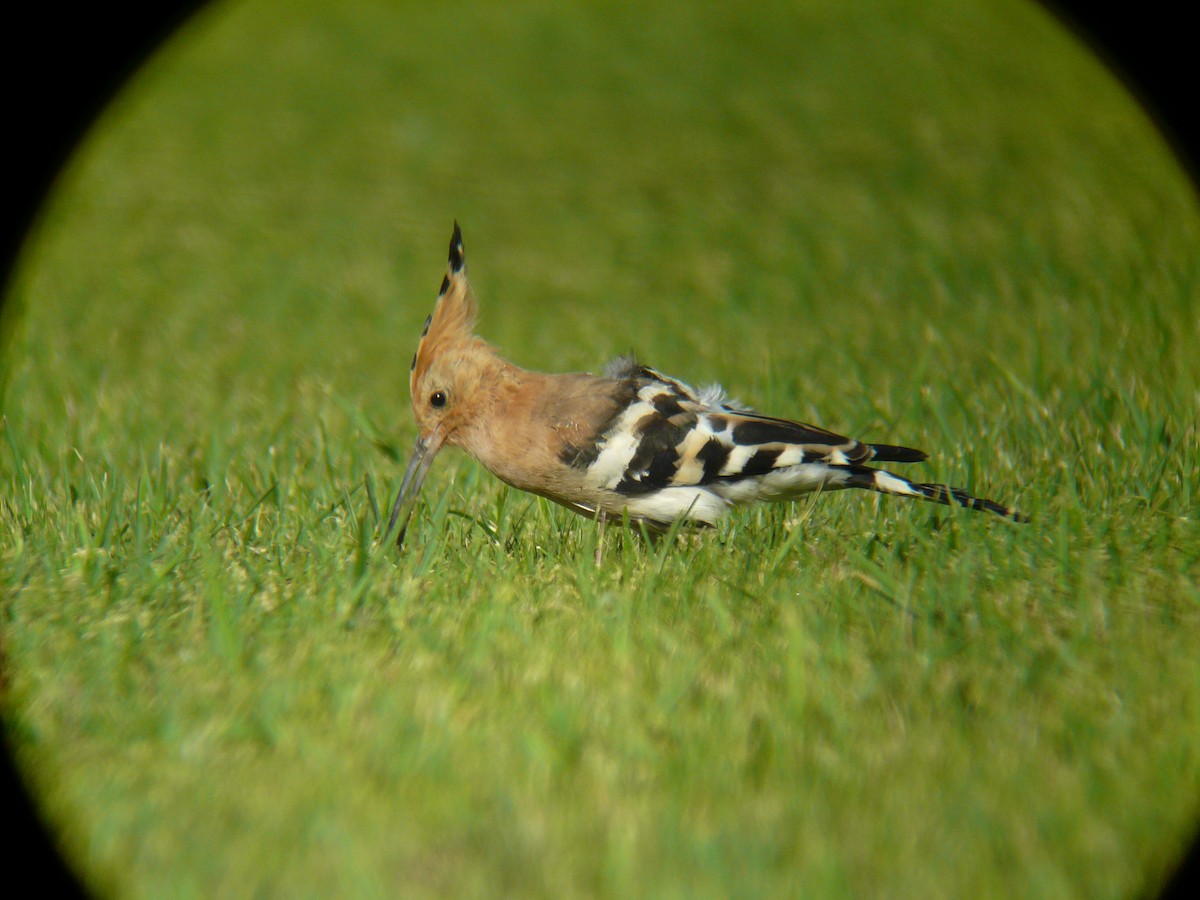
(449, 371)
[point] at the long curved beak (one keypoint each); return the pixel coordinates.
(418, 467)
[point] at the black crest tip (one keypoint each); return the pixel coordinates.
(457, 259)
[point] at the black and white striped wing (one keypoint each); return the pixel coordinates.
(671, 452)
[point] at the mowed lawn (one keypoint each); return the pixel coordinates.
(935, 224)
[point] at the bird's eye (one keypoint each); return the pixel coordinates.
(437, 399)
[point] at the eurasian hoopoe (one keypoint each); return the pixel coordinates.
(632, 442)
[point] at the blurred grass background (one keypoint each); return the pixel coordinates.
(931, 224)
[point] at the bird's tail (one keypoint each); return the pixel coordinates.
(887, 483)
(892, 453)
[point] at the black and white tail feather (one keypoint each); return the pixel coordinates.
(672, 452)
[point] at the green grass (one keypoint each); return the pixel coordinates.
(935, 224)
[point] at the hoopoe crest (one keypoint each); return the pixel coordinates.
(632, 442)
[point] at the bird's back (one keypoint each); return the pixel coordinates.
(661, 450)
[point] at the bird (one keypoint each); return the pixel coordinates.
(630, 445)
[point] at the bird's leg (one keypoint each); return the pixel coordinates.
(601, 519)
